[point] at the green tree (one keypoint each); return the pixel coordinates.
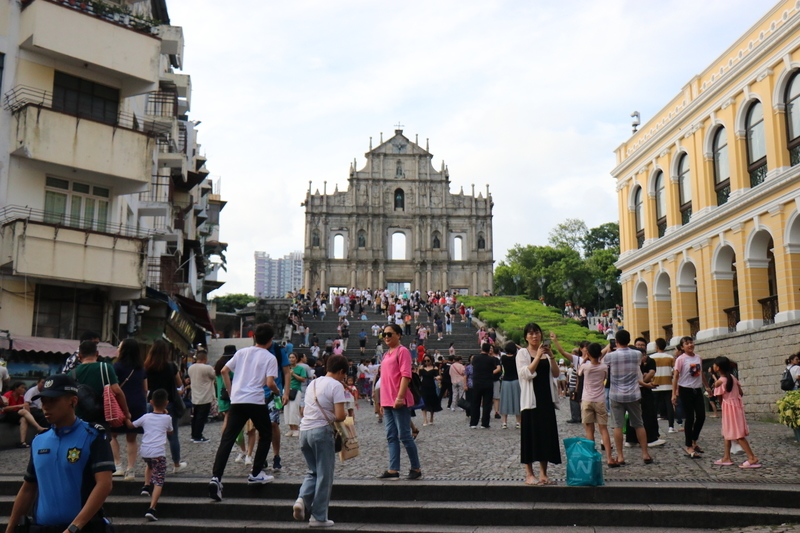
(230, 303)
(603, 237)
(568, 234)
(558, 273)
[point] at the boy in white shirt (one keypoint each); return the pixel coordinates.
(157, 425)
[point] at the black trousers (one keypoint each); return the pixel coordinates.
(199, 417)
(481, 395)
(694, 409)
(447, 386)
(664, 405)
(238, 415)
(574, 410)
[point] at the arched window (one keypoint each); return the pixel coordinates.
(661, 204)
(315, 239)
(399, 200)
(637, 203)
(437, 243)
(685, 188)
(722, 170)
(458, 243)
(793, 117)
(481, 242)
(756, 144)
(362, 239)
(338, 246)
(398, 246)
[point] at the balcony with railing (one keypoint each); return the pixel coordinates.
(94, 34)
(769, 308)
(694, 326)
(164, 274)
(157, 201)
(57, 246)
(732, 315)
(116, 144)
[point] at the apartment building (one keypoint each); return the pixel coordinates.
(709, 208)
(276, 277)
(108, 219)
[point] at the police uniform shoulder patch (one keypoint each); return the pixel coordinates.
(99, 428)
(73, 455)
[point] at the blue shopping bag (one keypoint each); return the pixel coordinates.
(584, 463)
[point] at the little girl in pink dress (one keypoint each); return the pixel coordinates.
(734, 423)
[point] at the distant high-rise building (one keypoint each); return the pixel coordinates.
(276, 277)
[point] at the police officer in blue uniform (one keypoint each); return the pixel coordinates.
(69, 473)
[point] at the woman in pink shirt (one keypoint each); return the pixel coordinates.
(396, 403)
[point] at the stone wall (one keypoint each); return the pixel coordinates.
(761, 357)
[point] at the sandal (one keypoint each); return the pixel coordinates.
(23, 445)
(693, 455)
(720, 462)
(748, 464)
(698, 449)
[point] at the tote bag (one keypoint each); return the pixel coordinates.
(111, 409)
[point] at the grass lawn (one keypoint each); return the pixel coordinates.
(509, 314)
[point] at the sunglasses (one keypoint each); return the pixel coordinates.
(388, 334)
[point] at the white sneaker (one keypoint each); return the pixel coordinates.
(671, 430)
(129, 476)
(119, 471)
(659, 442)
(299, 509)
(239, 458)
(261, 479)
(248, 460)
(313, 522)
(628, 444)
(180, 468)
(289, 433)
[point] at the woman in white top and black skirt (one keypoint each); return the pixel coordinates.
(537, 373)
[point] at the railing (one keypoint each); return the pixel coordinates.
(161, 188)
(694, 326)
(108, 12)
(640, 239)
(14, 212)
(686, 215)
(662, 229)
(163, 274)
(668, 332)
(733, 318)
(794, 155)
(162, 104)
(23, 96)
(722, 195)
(758, 175)
(769, 308)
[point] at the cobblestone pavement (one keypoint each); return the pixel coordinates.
(450, 450)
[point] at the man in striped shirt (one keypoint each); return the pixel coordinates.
(663, 382)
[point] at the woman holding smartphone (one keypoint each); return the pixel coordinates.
(537, 373)
(691, 380)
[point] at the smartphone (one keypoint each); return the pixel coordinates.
(546, 343)
(613, 344)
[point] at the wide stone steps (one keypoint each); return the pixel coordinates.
(453, 506)
(465, 338)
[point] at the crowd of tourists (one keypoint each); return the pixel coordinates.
(250, 388)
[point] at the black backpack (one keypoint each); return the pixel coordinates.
(787, 381)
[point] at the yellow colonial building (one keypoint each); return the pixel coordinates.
(709, 197)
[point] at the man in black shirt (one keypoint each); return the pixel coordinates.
(484, 367)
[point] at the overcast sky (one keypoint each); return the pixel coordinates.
(531, 97)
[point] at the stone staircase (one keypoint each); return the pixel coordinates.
(465, 338)
(450, 506)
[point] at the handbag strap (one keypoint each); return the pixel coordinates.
(319, 406)
(126, 379)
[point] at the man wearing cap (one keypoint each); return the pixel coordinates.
(69, 472)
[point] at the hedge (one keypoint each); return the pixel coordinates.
(510, 314)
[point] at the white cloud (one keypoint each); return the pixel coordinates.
(530, 97)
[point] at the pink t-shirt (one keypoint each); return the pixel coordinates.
(594, 377)
(396, 364)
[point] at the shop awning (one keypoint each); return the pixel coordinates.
(48, 345)
(198, 311)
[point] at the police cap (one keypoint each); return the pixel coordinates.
(57, 385)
